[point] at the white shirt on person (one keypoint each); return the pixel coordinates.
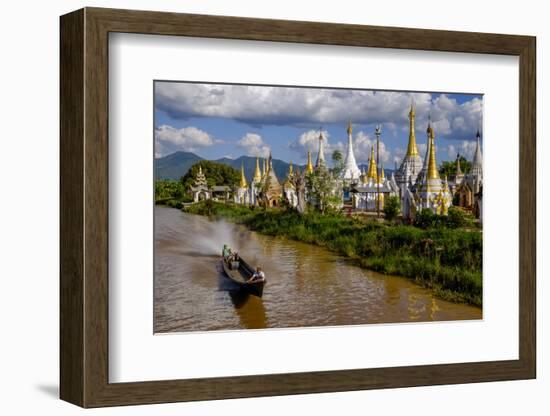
(258, 276)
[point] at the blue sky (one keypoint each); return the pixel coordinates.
(223, 120)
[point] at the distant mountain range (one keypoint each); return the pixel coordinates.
(175, 165)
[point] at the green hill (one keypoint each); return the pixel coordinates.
(175, 165)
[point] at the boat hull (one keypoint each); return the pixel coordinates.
(241, 276)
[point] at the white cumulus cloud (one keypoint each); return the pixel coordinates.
(466, 148)
(309, 140)
(254, 145)
(456, 121)
(302, 107)
(169, 139)
(362, 145)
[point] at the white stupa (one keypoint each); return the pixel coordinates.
(412, 162)
(477, 162)
(351, 171)
(321, 155)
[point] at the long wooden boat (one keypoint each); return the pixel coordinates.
(241, 275)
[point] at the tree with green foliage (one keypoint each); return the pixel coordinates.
(171, 193)
(215, 173)
(321, 185)
(448, 168)
(392, 206)
(425, 218)
(456, 218)
(338, 160)
(166, 189)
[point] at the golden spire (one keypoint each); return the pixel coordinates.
(432, 167)
(309, 167)
(350, 129)
(445, 196)
(257, 173)
(264, 172)
(288, 181)
(200, 170)
(243, 183)
(382, 176)
(439, 203)
(372, 172)
(412, 150)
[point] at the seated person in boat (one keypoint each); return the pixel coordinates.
(233, 261)
(258, 276)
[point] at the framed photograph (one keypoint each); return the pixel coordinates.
(255, 207)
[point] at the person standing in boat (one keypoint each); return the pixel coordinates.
(226, 251)
(258, 276)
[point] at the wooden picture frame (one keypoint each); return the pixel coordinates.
(84, 207)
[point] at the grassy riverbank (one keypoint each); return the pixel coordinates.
(449, 261)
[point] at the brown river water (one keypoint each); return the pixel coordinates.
(306, 285)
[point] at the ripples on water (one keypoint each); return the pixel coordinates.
(306, 285)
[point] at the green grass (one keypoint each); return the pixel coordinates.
(447, 260)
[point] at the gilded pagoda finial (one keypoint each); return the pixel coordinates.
(257, 173)
(432, 166)
(372, 172)
(243, 183)
(309, 167)
(382, 175)
(412, 149)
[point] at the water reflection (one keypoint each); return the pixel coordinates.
(250, 310)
